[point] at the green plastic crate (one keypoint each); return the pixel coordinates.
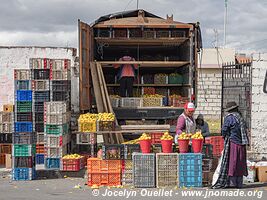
(175, 79)
(23, 150)
(57, 129)
(24, 106)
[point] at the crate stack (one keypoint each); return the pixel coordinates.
(23, 148)
(144, 170)
(103, 172)
(40, 73)
(190, 170)
(57, 113)
(167, 169)
(6, 124)
(57, 126)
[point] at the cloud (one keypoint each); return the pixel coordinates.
(54, 22)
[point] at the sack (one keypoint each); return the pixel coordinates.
(217, 171)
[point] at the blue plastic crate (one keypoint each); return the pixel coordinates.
(40, 159)
(23, 174)
(23, 127)
(52, 163)
(165, 101)
(24, 95)
(190, 170)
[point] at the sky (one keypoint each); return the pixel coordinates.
(55, 22)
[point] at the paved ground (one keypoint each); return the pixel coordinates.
(64, 189)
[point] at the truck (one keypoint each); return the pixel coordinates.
(159, 46)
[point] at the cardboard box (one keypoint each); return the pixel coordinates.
(262, 173)
(8, 108)
(8, 161)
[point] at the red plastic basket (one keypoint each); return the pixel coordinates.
(183, 145)
(217, 143)
(73, 164)
(105, 179)
(166, 146)
(96, 165)
(145, 146)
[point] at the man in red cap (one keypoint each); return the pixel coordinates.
(186, 122)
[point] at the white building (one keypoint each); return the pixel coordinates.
(18, 58)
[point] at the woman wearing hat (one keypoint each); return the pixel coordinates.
(186, 122)
(234, 159)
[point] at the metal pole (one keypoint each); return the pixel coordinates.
(225, 21)
(137, 4)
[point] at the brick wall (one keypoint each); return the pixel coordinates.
(209, 93)
(18, 58)
(259, 109)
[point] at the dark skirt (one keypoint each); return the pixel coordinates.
(237, 160)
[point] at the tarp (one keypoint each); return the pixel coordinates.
(124, 14)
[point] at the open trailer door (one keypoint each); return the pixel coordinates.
(86, 56)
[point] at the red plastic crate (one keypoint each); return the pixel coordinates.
(73, 164)
(5, 148)
(2, 159)
(40, 149)
(104, 179)
(217, 143)
(96, 165)
(155, 138)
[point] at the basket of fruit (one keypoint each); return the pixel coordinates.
(160, 79)
(197, 142)
(183, 142)
(73, 162)
(166, 142)
(106, 122)
(152, 100)
(145, 143)
(87, 122)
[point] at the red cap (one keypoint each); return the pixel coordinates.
(189, 106)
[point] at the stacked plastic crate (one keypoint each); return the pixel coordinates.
(190, 170)
(23, 148)
(144, 171)
(103, 172)
(57, 113)
(40, 72)
(127, 163)
(167, 169)
(6, 124)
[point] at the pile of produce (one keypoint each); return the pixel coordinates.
(72, 156)
(145, 136)
(166, 136)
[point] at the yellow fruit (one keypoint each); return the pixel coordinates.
(145, 136)
(166, 136)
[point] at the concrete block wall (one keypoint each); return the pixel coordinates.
(259, 109)
(18, 58)
(209, 93)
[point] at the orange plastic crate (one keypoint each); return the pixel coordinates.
(5, 148)
(96, 165)
(2, 159)
(104, 179)
(40, 149)
(73, 164)
(155, 138)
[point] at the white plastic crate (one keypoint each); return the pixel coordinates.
(86, 138)
(6, 127)
(131, 102)
(56, 141)
(144, 171)
(40, 85)
(56, 152)
(6, 117)
(57, 119)
(40, 138)
(60, 75)
(55, 107)
(22, 74)
(60, 64)
(167, 169)
(39, 63)
(115, 102)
